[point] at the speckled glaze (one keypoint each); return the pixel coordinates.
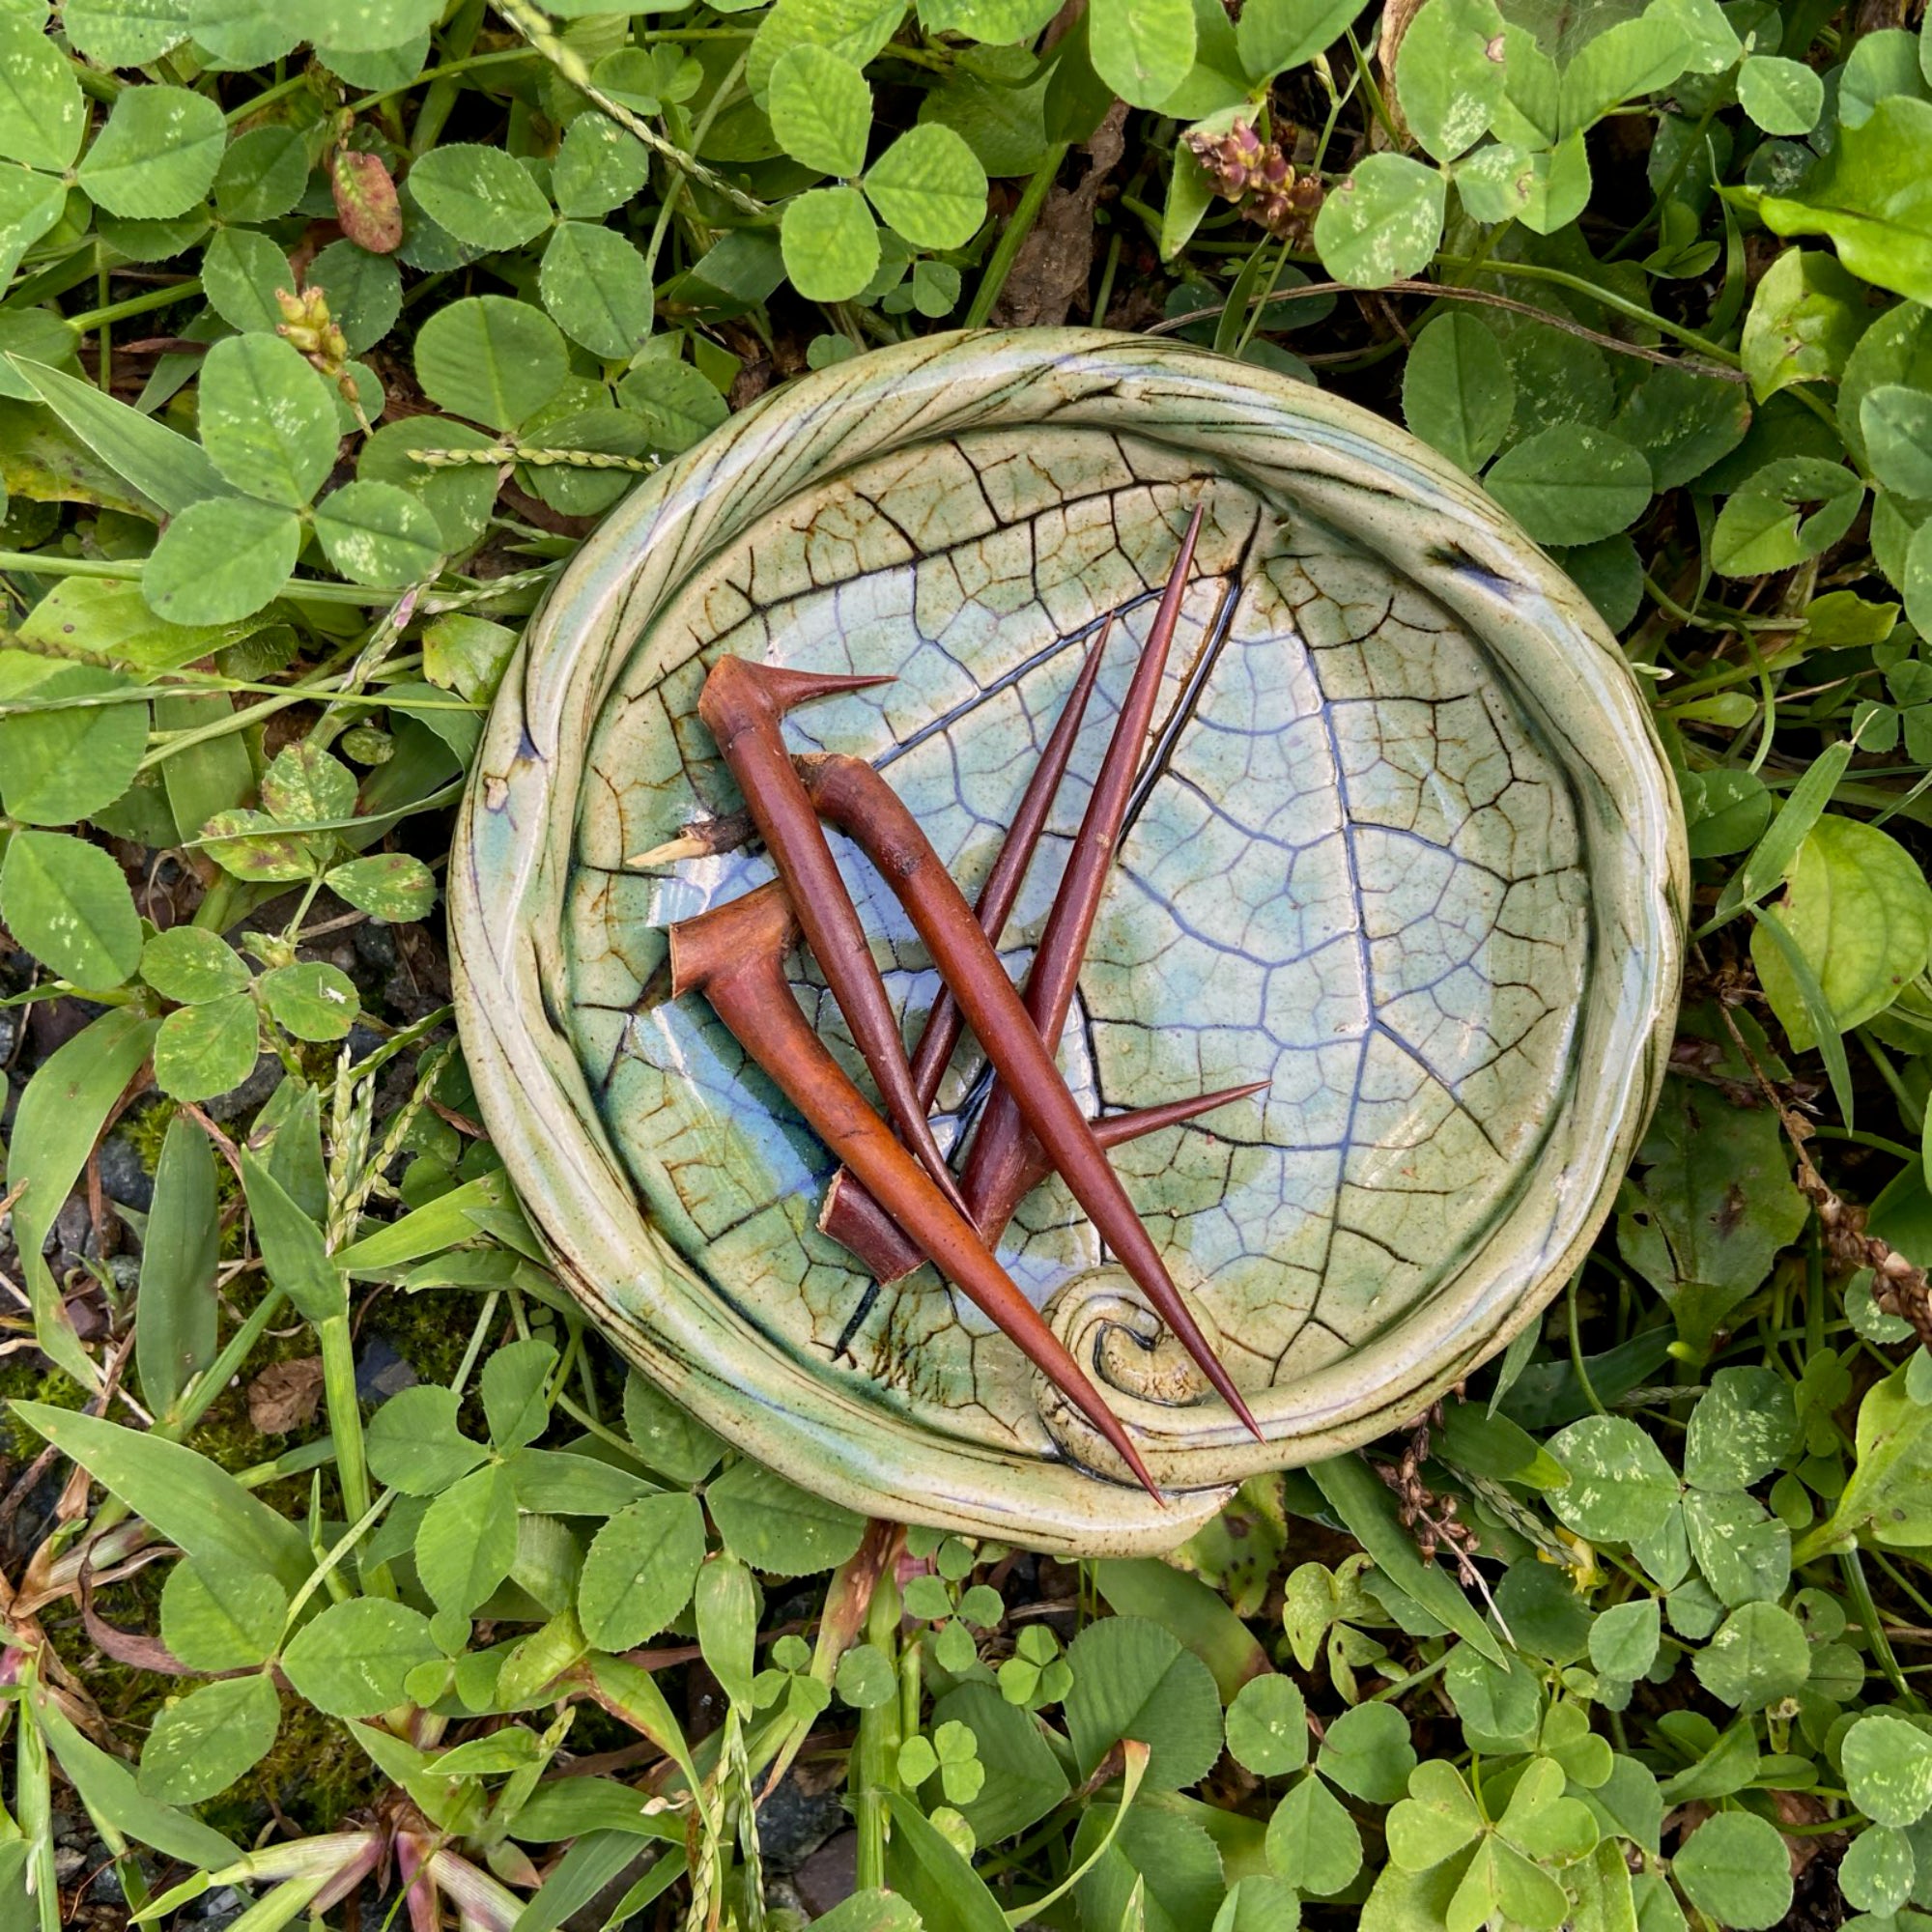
(1404, 846)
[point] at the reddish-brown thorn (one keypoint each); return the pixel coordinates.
(1114, 1130)
(995, 904)
(995, 1177)
(852, 1217)
(997, 1162)
(734, 956)
(872, 1226)
(854, 797)
(741, 705)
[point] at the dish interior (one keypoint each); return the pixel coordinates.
(1353, 867)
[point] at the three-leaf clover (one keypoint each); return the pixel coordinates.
(928, 187)
(953, 1751)
(1037, 1674)
(301, 832)
(271, 427)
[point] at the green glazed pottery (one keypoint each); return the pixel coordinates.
(1403, 845)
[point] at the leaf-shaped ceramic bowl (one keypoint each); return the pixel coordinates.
(1405, 846)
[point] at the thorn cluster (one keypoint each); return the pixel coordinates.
(895, 1201)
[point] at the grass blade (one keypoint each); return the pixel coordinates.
(175, 1316)
(180, 1495)
(59, 1117)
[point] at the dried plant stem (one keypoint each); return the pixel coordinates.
(1488, 299)
(1898, 1287)
(1430, 1519)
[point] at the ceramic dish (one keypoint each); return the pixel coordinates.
(1403, 845)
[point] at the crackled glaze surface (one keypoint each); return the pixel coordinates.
(1402, 847)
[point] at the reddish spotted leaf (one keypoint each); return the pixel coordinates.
(365, 200)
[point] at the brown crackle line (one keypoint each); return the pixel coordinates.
(741, 705)
(734, 955)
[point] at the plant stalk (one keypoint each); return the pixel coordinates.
(877, 1744)
(345, 1422)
